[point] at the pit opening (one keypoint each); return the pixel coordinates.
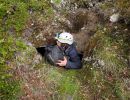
(41, 50)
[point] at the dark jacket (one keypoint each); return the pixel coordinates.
(55, 53)
(73, 58)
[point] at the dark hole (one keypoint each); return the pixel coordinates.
(41, 50)
(80, 56)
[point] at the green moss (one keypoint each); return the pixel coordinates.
(9, 90)
(57, 1)
(9, 87)
(14, 14)
(68, 84)
(122, 4)
(106, 5)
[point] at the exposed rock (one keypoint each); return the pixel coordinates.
(114, 18)
(81, 45)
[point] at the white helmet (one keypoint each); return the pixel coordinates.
(65, 38)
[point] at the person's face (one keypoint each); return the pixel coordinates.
(62, 45)
(58, 43)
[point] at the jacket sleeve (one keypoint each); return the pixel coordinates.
(74, 61)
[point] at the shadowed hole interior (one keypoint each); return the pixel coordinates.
(41, 50)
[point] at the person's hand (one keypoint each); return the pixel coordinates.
(62, 62)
